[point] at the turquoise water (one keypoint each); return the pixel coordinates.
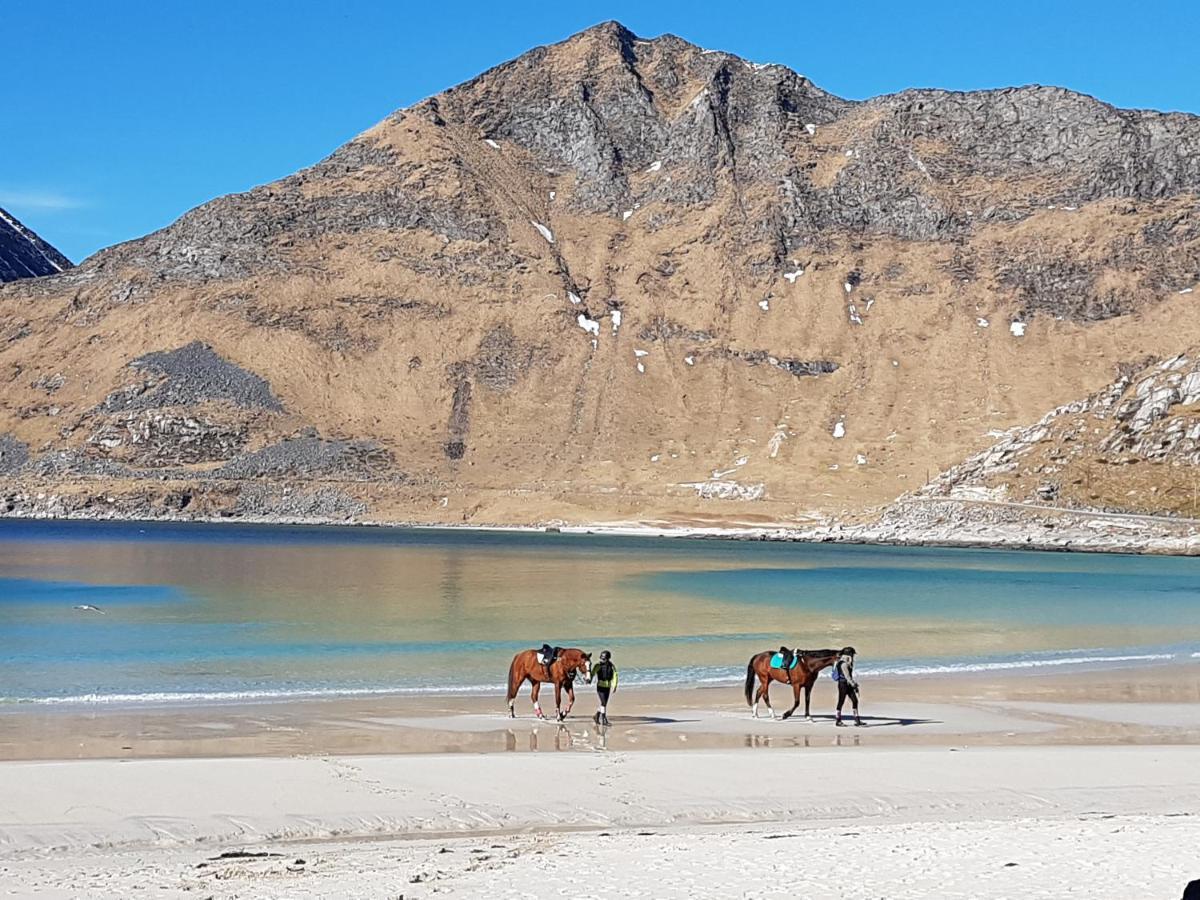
(226, 612)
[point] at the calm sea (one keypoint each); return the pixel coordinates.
(228, 612)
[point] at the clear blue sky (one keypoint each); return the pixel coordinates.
(119, 116)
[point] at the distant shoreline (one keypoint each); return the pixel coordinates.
(853, 535)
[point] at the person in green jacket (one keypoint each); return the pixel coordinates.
(606, 686)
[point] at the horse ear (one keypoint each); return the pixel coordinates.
(587, 656)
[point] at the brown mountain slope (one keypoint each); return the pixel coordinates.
(612, 279)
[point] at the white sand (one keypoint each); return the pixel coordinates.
(1157, 715)
(860, 822)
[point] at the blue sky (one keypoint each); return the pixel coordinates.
(120, 116)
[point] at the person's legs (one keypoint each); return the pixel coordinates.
(601, 717)
(843, 690)
(853, 692)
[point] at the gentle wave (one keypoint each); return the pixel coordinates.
(668, 678)
(169, 697)
(951, 668)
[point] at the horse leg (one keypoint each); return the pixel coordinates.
(795, 699)
(558, 713)
(808, 701)
(570, 700)
(537, 706)
(766, 692)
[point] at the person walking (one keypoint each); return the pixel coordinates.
(843, 674)
(606, 686)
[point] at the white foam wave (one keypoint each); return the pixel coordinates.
(170, 697)
(1015, 664)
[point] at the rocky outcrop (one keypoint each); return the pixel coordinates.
(310, 457)
(191, 375)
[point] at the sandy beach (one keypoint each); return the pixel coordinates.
(985, 786)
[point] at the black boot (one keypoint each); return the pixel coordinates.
(604, 719)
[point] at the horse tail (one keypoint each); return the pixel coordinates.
(750, 682)
(513, 683)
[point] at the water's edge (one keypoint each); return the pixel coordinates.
(860, 536)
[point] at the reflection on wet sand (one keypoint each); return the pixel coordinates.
(1124, 707)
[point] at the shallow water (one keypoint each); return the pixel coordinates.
(229, 611)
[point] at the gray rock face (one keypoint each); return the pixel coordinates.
(25, 255)
(323, 503)
(152, 438)
(310, 457)
(13, 454)
(190, 375)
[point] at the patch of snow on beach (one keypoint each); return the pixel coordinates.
(811, 128)
(1017, 329)
(543, 230)
(690, 360)
(574, 298)
(764, 305)
(839, 429)
(655, 166)
(492, 144)
(792, 276)
(591, 326)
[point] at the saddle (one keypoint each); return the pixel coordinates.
(555, 653)
(777, 660)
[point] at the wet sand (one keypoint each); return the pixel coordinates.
(1151, 705)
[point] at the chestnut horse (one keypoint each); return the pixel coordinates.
(804, 675)
(525, 667)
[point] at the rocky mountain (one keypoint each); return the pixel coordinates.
(617, 280)
(25, 255)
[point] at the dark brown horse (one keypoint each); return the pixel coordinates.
(525, 667)
(803, 676)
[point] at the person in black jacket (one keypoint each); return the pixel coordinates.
(843, 673)
(606, 686)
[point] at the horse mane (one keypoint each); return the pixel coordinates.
(818, 652)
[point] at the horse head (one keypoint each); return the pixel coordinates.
(816, 660)
(577, 662)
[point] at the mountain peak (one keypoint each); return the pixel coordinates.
(25, 255)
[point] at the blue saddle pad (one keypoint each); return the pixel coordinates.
(777, 660)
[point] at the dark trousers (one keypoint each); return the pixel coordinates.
(844, 691)
(603, 693)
